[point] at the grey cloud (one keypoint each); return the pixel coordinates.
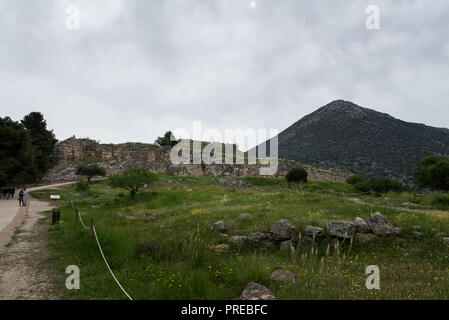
(137, 68)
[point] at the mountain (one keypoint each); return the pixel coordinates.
(345, 136)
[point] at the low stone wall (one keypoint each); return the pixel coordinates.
(70, 153)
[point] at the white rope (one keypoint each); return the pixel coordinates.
(101, 251)
(81, 220)
(112, 273)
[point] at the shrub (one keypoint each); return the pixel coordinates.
(440, 200)
(132, 180)
(432, 172)
(379, 185)
(354, 179)
(296, 175)
(82, 185)
(167, 140)
(90, 171)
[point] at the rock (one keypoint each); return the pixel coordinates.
(365, 237)
(235, 183)
(311, 230)
(417, 228)
(244, 217)
(284, 276)
(397, 231)
(434, 230)
(380, 225)
(446, 241)
(283, 230)
(150, 217)
(409, 204)
(224, 235)
(341, 229)
(255, 291)
(238, 240)
(221, 226)
(361, 226)
(286, 245)
(220, 248)
(261, 239)
(130, 218)
(417, 235)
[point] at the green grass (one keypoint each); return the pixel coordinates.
(169, 258)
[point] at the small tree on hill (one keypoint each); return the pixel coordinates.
(90, 171)
(132, 180)
(432, 172)
(354, 179)
(167, 140)
(296, 175)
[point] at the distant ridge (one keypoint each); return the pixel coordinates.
(345, 136)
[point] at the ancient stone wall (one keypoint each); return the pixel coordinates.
(116, 158)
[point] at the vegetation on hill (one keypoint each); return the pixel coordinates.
(433, 172)
(159, 243)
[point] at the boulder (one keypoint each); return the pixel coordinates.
(150, 217)
(286, 245)
(446, 241)
(282, 276)
(238, 240)
(380, 225)
(361, 226)
(365, 237)
(255, 291)
(417, 235)
(311, 230)
(341, 229)
(261, 239)
(283, 230)
(221, 226)
(244, 217)
(397, 231)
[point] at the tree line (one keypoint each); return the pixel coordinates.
(26, 149)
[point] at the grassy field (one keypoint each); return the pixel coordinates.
(169, 258)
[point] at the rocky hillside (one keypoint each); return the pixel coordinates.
(345, 136)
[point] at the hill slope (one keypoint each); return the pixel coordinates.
(345, 136)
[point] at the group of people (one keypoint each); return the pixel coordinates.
(9, 194)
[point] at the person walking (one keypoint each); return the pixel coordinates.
(21, 195)
(25, 196)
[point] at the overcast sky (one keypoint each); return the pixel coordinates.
(137, 68)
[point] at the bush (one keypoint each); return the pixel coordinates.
(440, 200)
(82, 185)
(132, 180)
(432, 172)
(354, 179)
(296, 175)
(90, 171)
(379, 185)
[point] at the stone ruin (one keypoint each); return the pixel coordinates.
(115, 158)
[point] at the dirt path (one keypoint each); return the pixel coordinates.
(23, 254)
(399, 208)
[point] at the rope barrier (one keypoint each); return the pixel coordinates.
(107, 265)
(101, 251)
